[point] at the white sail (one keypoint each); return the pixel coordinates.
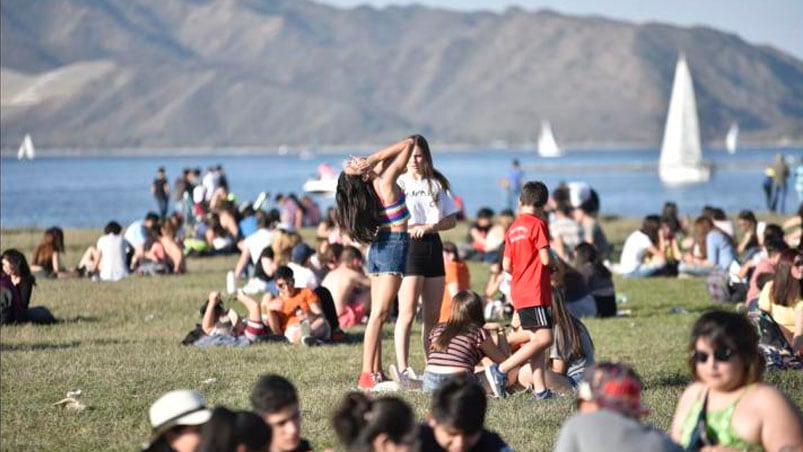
(27, 150)
(732, 139)
(547, 147)
(681, 159)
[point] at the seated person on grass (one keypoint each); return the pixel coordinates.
(571, 353)
(106, 260)
(456, 420)
(350, 288)
(275, 399)
(288, 313)
(460, 344)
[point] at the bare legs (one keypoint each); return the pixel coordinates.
(383, 288)
(90, 259)
(430, 290)
(532, 351)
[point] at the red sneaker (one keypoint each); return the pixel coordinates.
(369, 380)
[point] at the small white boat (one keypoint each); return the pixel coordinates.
(681, 159)
(547, 146)
(325, 183)
(27, 151)
(320, 186)
(732, 139)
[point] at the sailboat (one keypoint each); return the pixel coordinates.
(732, 139)
(681, 159)
(27, 150)
(547, 147)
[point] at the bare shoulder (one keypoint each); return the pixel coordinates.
(692, 392)
(766, 397)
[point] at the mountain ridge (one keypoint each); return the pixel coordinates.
(209, 73)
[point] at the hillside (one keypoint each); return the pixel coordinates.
(264, 73)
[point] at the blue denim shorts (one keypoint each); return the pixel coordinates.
(433, 381)
(388, 253)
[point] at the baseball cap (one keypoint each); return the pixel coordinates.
(613, 386)
(301, 252)
(180, 407)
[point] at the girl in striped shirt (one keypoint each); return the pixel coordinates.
(458, 345)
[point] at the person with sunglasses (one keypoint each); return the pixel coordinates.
(728, 405)
(295, 313)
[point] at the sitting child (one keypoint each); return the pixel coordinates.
(571, 353)
(597, 277)
(459, 344)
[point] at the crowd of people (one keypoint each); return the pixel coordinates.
(378, 253)
(727, 406)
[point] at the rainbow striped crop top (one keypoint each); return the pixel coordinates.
(395, 214)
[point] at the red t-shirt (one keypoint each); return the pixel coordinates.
(530, 285)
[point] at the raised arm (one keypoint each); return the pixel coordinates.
(208, 322)
(389, 156)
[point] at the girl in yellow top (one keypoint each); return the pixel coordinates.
(782, 298)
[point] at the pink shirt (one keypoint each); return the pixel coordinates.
(763, 266)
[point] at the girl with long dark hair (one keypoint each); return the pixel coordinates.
(371, 209)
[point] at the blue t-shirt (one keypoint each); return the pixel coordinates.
(719, 250)
(515, 175)
(248, 225)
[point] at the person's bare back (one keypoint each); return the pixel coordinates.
(347, 285)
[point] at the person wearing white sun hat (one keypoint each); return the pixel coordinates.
(176, 418)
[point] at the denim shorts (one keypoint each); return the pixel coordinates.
(433, 381)
(388, 253)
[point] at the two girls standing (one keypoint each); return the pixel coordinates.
(373, 208)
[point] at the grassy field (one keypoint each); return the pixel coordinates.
(120, 344)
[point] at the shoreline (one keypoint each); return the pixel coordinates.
(311, 152)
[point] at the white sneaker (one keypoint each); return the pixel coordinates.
(406, 379)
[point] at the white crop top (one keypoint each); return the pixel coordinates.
(420, 200)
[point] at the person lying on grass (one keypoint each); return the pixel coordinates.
(220, 322)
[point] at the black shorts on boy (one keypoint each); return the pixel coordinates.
(535, 317)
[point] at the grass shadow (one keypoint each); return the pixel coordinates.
(79, 319)
(676, 379)
(38, 346)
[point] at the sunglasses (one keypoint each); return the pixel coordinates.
(721, 355)
(798, 263)
(283, 285)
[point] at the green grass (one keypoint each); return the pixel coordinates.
(120, 344)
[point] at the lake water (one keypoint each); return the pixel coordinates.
(90, 191)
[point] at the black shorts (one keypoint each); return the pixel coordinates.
(535, 317)
(425, 257)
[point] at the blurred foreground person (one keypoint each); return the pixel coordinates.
(609, 408)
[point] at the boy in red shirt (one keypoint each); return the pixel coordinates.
(528, 261)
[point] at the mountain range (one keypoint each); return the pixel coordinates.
(263, 73)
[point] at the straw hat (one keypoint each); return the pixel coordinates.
(180, 407)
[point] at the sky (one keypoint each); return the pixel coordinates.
(778, 23)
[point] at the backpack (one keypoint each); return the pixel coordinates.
(772, 343)
(717, 287)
